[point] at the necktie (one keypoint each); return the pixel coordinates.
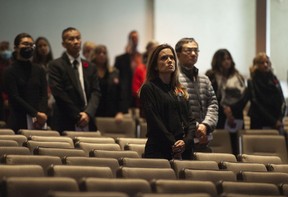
(75, 68)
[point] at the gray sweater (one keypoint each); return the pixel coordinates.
(205, 111)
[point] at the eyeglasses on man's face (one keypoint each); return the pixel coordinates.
(190, 50)
(28, 44)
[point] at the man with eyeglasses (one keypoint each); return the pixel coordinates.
(202, 98)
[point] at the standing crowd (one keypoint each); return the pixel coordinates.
(182, 107)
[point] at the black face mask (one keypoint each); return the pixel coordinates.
(26, 52)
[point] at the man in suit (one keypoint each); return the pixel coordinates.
(75, 86)
(126, 64)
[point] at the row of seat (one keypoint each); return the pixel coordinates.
(40, 186)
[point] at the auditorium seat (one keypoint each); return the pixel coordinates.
(52, 139)
(263, 177)
(30, 132)
(218, 157)
(60, 152)
(43, 160)
(79, 172)
(112, 163)
(139, 148)
(114, 154)
(247, 188)
(21, 171)
(269, 145)
(73, 134)
(122, 141)
(88, 147)
(34, 144)
(14, 150)
(207, 175)
(129, 186)
(8, 143)
(277, 167)
(109, 127)
(178, 165)
(264, 159)
(174, 195)
(144, 162)
(87, 194)
(20, 139)
(7, 132)
(101, 140)
(40, 186)
(236, 167)
(183, 186)
(221, 142)
(146, 173)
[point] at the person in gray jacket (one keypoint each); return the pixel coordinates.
(202, 97)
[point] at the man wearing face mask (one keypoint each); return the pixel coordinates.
(26, 86)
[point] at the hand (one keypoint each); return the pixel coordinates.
(41, 118)
(201, 134)
(178, 147)
(278, 125)
(84, 120)
(227, 111)
(119, 117)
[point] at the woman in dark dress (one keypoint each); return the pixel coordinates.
(170, 126)
(267, 100)
(110, 102)
(26, 86)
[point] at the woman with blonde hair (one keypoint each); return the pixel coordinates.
(170, 126)
(267, 100)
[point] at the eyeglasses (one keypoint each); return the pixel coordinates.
(27, 44)
(190, 50)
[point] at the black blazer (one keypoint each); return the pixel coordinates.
(69, 102)
(123, 64)
(26, 86)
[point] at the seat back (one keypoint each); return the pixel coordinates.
(114, 154)
(129, 186)
(221, 142)
(112, 163)
(8, 143)
(262, 189)
(123, 141)
(34, 144)
(144, 163)
(40, 186)
(30, 132)
(236, 167)
(73, 134)
(139, 148)
(79, 172)
(264, 159)
(88, 147)
(94, 140)
(21, 171)
(11, 150)
(87, 194)
(178, 165)
(275, 145)
(43, 160)
(146, 173)
(218, 157)
(60, 152)
(109, 127)
(263, 177)
(20, 139)
(183, 186)
(277, 167)
(207, 175)
(7, 132)
(52, 139)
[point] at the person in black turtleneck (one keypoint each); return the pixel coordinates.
(170, 124)
(26, 86)
(267, 101)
